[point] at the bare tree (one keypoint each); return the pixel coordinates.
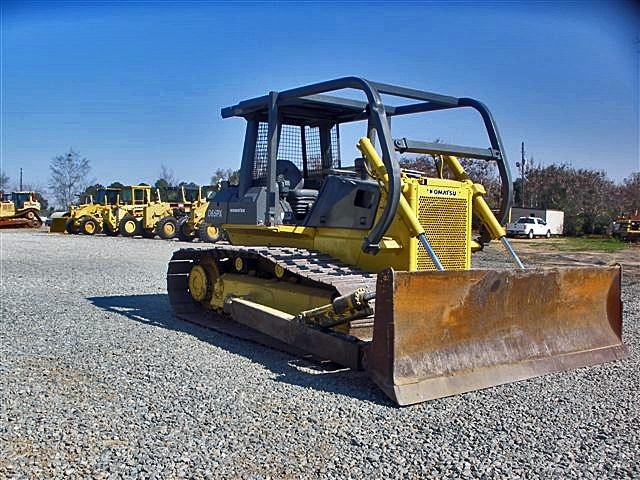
(233, 176)
(166, 178)
(69, 177)
(4, 181)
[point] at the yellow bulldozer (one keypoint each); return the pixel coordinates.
(19, 210)
(137, 212)
(369, 266)
(193, 225)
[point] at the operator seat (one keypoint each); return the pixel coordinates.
(300, 199)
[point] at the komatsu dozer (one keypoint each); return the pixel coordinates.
(369, 266)
(19, 210)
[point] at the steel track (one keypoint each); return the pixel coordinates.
(301, 266)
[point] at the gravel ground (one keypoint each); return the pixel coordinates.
(98, 380)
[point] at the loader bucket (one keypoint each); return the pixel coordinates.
(58, 225)
(442, 333)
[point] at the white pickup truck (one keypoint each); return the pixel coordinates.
(528, 227)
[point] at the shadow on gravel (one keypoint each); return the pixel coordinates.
(154, 309)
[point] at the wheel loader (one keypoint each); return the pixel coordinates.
(86, 218)
(137, 212)
(19, 210)
(193, 226)
(369, 266)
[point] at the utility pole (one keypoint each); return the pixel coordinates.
(522, 165)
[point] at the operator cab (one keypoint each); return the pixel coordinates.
(292, 172)
(21, 198)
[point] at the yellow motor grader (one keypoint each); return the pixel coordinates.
(86, 218)
(180, 198)
(193, 226)
(183, 201)
(369, 265)
(137, 212)
(19, 210)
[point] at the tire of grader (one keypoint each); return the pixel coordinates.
(129, 226)
(209, 233)
(89, 226)
(183, 234)
(167, 228)
(110, 233)
(70, 227)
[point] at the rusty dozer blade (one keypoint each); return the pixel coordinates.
(442, 333)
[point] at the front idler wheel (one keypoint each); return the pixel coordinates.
(205, 282)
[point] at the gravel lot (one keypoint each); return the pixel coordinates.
(98, 380)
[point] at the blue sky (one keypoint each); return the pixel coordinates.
(133, 86)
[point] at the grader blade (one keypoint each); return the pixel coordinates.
(442, 333)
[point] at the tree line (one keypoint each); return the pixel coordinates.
(590, 200)
(70, 181)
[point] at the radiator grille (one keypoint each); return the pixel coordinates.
(445, 223)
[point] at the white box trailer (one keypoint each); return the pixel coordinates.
(554, 218)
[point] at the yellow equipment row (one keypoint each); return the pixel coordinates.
(141, 210)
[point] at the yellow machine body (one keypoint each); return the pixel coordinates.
(627, 228)
(435, 333)
(192, 225)
(19, 210)
(444, 208)
(137, 212)
(7, 209)
(85, 218)
(386, 287)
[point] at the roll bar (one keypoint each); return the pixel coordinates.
(303, 104)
